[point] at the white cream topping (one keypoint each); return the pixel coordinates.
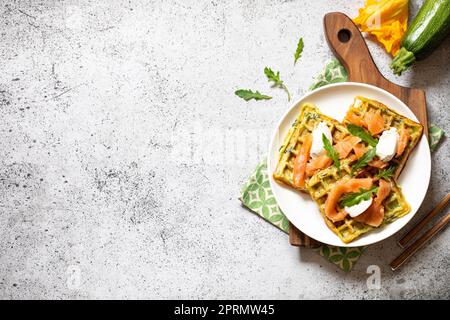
(359, 208)
(387, 145)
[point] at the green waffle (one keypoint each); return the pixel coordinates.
(321, 183)
(391, 119)
(309, 118)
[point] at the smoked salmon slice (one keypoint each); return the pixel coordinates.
(374, 121)
(345, 146)
(403, 138)
(352, 185)
(377, 163)
(374, 215)
(320, 162)
(359, 150)
(300, 163)
(355, 119)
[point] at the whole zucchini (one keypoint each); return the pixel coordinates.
(426, 32)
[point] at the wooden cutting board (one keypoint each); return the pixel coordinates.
(349, 47)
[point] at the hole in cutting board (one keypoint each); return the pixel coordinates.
(344, 35)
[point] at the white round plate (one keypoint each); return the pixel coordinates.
(334, 100)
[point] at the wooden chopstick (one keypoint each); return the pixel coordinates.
(419, 226)
(419, 243)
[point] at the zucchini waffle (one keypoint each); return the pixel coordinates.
(391, 119)
(309, 118)
(321, 183)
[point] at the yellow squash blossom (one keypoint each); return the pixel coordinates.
(387, 20)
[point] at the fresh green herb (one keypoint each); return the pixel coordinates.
(249, 94)
(298, 52)
(353, 198)
(331, 152)
(363, 134)
(364, 160)
(386, 173)
(277, 82)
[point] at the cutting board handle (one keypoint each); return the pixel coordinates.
(349, 46)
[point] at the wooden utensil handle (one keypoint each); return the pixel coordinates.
(349, 46)
(419, 243)
(421, 225)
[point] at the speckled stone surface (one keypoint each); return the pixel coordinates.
(123, 149)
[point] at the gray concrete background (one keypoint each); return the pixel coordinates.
(123, 149)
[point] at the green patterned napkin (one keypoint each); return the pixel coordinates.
(257, 195)
(332, 73)
(435, 133)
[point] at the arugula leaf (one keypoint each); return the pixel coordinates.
(277, 82)
(353, 198)
(364, 160)
(272, 76)
(331, 152)
(298, 52)
(360, 132)
(386, 173)
(249, 94)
